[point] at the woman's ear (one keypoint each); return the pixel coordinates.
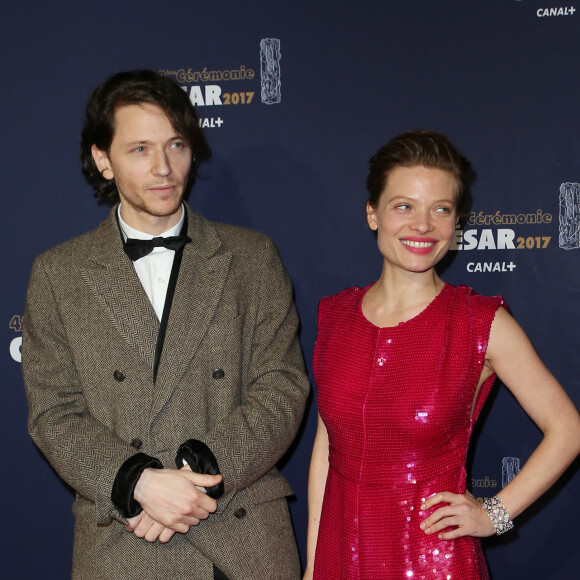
(372, 217)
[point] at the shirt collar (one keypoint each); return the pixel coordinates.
(129, 232)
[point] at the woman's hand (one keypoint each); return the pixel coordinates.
(463, 512)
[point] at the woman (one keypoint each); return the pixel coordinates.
(403, 368)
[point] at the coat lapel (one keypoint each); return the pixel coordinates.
(112, 278)
(199, 289)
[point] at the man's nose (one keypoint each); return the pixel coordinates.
(161, 164)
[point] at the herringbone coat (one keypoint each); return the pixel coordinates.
(87, 358)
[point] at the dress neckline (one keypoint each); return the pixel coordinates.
(420, 315)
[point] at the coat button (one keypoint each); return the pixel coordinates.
(119, 376)
(240, 513)
(218, 374)
(136, 443)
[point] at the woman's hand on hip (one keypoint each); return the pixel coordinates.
(462, 512)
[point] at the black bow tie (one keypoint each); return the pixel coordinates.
(136, 249)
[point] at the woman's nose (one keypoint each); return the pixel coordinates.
(422, 221)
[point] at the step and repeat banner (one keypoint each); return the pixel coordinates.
(294, 98)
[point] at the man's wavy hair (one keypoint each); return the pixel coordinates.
(136, 88)
(423, 148)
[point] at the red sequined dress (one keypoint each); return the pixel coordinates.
(397, 404)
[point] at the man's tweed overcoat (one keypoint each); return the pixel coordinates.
(87, 358)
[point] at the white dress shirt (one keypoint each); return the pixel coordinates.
(154, 269)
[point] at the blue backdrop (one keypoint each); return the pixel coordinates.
(295, 97)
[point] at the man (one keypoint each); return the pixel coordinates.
(163, 387)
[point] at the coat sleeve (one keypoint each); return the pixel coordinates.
(253, 437)
(83, 451)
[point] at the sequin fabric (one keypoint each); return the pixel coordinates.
(397, 404)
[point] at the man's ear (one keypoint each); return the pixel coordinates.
(102, 162)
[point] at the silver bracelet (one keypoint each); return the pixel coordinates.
(498, 515)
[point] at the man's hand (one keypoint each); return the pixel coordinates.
(172, 499)
(144, 526)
